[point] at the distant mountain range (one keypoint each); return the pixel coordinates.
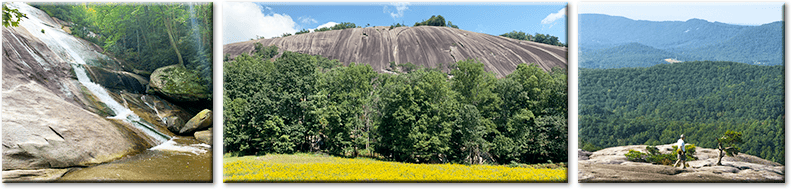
(616, 42)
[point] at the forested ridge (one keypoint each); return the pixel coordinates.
(145, 36)
(605, 40)
(304, 103)
(700, 99)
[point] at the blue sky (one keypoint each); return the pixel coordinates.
(273, 19)
(740, 13)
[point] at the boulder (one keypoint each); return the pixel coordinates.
(204, 136)
(179, 84)
(157, 111)
(201, 121)
(610, 165)
(41, 130)
(118, 80)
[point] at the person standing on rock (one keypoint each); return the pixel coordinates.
(682, 153)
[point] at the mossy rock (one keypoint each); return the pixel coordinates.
(179, 84)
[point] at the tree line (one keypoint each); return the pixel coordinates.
(306, 103)
(539, 38)
(701, 99)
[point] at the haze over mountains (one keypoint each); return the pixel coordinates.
(615, 42)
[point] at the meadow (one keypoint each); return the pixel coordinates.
(322, 168)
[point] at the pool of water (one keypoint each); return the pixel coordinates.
(185, 161)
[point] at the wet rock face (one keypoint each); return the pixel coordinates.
(51, 121)
(178, 84)
(610, 165)
(425, 46)
(45, 121)
(118, 80)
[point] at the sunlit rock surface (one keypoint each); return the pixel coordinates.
(610, 165)
(44, 125)
(426, 46)
(53, 119)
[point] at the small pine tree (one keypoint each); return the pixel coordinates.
(728, 143)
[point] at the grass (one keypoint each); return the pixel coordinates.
(321, 168)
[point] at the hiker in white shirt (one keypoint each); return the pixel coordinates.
(681, 153)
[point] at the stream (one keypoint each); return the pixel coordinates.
(173, 159)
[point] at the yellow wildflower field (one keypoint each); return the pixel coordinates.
(318, 168)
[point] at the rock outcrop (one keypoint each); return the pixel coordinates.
(426, 46)
(45, 123)
(178, 84)
(50, 120)
(610, 165)
(118, 80)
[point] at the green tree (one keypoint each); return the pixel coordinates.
(728, 143)
(469, 134)
(414, 110)
(342, 116)
(303, 31)
(475, 87)
(451, 25)
(12, 17)
(435, 20)
(266, 52)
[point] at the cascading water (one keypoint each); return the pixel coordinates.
(66, 46)
(163, 162)
(154, 107)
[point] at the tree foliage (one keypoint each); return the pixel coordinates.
(435, 20)
(145, 36)
(307, 103)
(11, 17)
(728, 143)
(539, 38)
(702, 100)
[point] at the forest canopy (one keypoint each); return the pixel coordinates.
(144, 36)
(701, 100)
(306, 103)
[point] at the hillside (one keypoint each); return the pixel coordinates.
(694, 39)
(425, 46)
(654, 105)
(627, 55)
(610, 165)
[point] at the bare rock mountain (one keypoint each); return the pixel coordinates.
(610, 165)
(426, 46)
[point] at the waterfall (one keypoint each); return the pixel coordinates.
(66, 47)
(154, 107)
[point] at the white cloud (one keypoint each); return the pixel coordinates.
(551, 18)
(307, 20)
(328, 25)
(245, 20)
(400, 7)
